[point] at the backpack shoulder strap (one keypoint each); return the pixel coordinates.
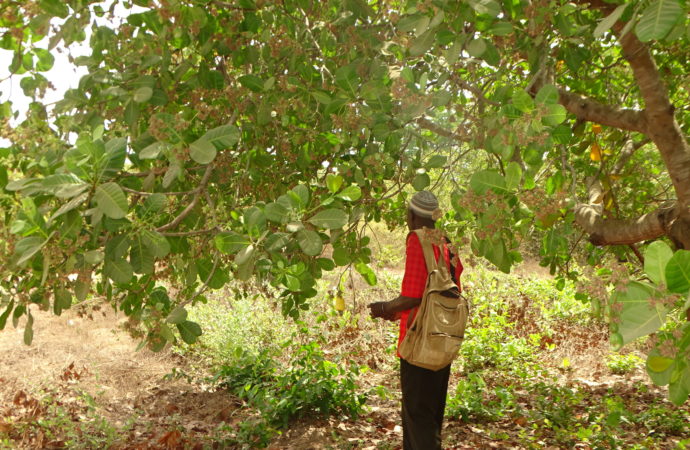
(428, 250)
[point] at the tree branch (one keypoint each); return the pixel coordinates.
(585, 108)
(428, 125)
(195, 200)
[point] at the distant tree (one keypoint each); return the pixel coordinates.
(218, 140)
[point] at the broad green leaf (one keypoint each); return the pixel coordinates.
(276, 212)
(658, 19)
(423, 43)
(638, 317)
(27, 247)
(436, 162)
(94, 257)
(6, 314)
(482, 181)
(81, 290)
(421, 181)
(658, 363)
(656, 256)
(252, 82)
(476, 47)
(351, 193)
(111, 200)
(513, 175)
(678, 272)
(202, 151)
(174, 170)
(230, 242)
(321, 97)
(143, 94)
(140, 257)
(679, 389)
(62, 300)
(488, 7)
(222, 137)
(608, 21)
(177, 315)
(346, 77)
(523, 101)
(154, 203)
(189, 331)
(366, 272)
(548, 94)
(302, 193)
(333, 182)
(152, 151)
(330, 219)
(118, 270)
(310, 242)
(555, 114)
(156, 243)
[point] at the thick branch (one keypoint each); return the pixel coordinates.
(605, 231)
(588, 109)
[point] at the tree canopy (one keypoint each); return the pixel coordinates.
(239, 140)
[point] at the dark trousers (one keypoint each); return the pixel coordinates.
(423, 403)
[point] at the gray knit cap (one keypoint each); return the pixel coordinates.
(424, 204)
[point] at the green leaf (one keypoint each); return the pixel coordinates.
(421, 181)
(302, 193)
(513, 175)
(482, 181)
(423, 43)
(155, 203)
(252, 82)
(351, 193)
(152, 151)
(202, 151)
(222, 137)
(330, 219)
(94, 257)
(27, 247)
(658, 19)
(476, 47)
(346, 77)
(155, 242)
(310, 242)
(276, 212)
(111, 200)
(6, 314)
(45, 60)
(366, 272)
(555, 114)
(62, 300)
(436, 162)
(333, 182)
(523, 101)
(177, 315)
(230, 242)
(321, 97)
(189, 331)
(118, 270)
(638, 318)
(143, 94)
(140, 257)
(489, 7)
(658, 363)
(29, 330)
(81, 290)
(656, 257)
(608, 21)
(678, 272)
(548, 94)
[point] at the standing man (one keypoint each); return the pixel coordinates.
(423, 390)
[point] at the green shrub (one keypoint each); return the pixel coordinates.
(620, 364)
(310, 384)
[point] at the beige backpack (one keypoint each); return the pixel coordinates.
(436, 334)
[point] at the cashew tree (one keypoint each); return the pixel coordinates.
(251, 140)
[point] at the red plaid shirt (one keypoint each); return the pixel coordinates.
(414, 280)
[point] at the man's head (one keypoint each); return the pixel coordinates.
(422, 210)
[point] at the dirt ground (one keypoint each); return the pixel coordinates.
(89, 368)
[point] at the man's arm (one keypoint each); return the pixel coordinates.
(391, 310)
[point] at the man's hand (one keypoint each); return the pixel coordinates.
(379, 309)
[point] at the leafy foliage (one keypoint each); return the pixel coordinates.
(214, 141)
